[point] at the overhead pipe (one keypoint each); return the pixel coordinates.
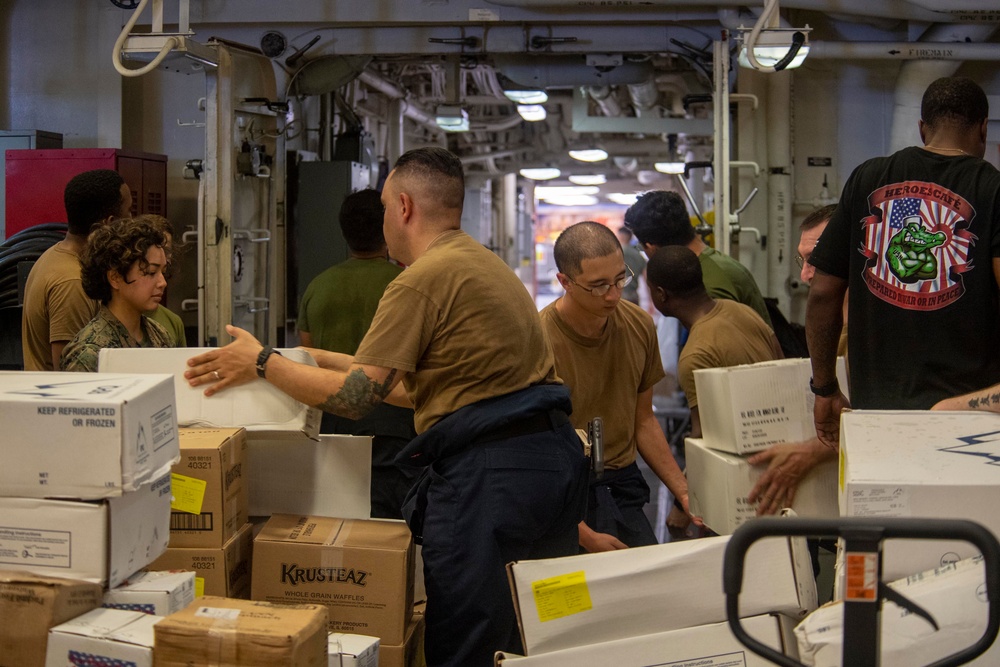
(389, 89)
(568, 71)
(607, 102)
(926, 51)
(645, 96)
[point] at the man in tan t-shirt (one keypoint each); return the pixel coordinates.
(55, 305)
(607, 354)
(507, 479)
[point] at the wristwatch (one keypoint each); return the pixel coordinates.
(263, 357)
(826, 390)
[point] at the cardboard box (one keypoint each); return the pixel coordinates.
(91, 435)
(704, 646)
(953, 595)
(746, 409)
(719, 483)
(223, 572)
(103, 637)
(939, 465)
(362, 571)
(210, 487)
(328, 477)
(101, 541)
(30, 605)
(346, 650)
(157, 593)
(411, 652)
(257, 405)
(220, 631)
(592, 598)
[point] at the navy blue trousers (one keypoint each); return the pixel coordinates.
(496, 502)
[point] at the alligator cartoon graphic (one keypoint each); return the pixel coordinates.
(909, 252)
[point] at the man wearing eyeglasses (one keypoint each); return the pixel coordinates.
(607, 354)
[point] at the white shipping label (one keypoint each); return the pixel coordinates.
(879, 501)
(29, 546)
(218, 612)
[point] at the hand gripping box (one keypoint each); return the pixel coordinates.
(703, 646)
(257, 405)
(101, 541)
(330, 476)
(102, 637)
(84, 435)
(746, 409)
(953, 595)
(30, 605)
(210, 487)
(224, 572)
(362, 571)
(241, 633)
(719, 483)
(562, 603)
(938, 465)
(156, 593)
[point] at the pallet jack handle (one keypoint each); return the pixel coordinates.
(864, 529)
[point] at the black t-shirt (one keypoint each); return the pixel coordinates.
(915, 235)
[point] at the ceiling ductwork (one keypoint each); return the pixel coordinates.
(569, 71)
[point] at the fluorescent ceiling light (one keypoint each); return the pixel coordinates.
(527, 96)
(669, 167)
(623, 198)
(452, 118)
(589, 154)
(588, 179)
(572, 200)
(531, 112)
(541, 173)
(773, 45)
(546, 191)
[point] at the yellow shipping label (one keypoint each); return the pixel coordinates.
(561, 596)
(189, 493)
(199, 587)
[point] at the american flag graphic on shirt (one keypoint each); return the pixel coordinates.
(929, 212)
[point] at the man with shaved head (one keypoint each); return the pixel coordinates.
(507, 475)
(606, 351)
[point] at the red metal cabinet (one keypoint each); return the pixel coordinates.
(35, 181)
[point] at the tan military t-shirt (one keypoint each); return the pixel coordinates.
(731, 334)
(55, 306)
(605, 375)
(463, 327)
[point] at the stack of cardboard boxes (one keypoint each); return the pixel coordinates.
(84, 492)
(657, 605)
(744, 410)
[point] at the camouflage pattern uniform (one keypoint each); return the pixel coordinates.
(105, 330)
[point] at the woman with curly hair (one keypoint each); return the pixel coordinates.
(122, 266)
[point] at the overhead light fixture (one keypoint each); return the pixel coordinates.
(541, 173)
(532, 112)
(669, 167)
(547, 191)
(527, 96)
(623, 198)
(452, 118)
(572, 200)
(768, 47)
(589, 154)
(588, 179)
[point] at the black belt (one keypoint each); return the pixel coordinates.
(536, 423)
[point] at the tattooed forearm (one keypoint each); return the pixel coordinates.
(359, 395)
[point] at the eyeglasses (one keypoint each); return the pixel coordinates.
(601, 290)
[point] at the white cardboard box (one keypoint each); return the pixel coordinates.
(84, 435)
(352, 650)
(103, 637)
(326, 477)
(157, 593)
(953, 595)
(719, 483)
(257, 405)
(746, 409)
(103, 541)
(704, 646)
(940, 465)
(592, 598)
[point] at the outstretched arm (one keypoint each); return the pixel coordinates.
(824, 321)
